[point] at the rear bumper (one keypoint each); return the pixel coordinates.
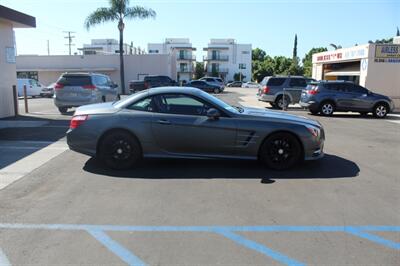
(311, 105)
(266, 98)
(63, 103)
(81, 145)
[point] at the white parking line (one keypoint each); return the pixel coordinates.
(19, 169)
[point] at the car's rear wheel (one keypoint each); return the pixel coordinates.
(119, 150)
(281, 102)
(216, 91)
(63, 110)
(273, 105)
(327, 108)
(280, 151)
(381, 110)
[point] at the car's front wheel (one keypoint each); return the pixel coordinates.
(381, 110)
(119, 150)
(280, 151)
(216, 91)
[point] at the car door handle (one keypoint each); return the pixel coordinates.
(164, 122)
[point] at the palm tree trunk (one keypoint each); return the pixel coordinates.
(121, 60)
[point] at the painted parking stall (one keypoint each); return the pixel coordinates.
(99, 232)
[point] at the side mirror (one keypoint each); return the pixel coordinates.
(213, 114)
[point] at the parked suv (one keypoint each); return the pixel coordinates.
(158, 81)
(280, 91)
(76, 89)
(326, 97)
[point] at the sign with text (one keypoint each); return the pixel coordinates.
(387, 51)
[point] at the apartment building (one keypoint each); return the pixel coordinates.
(107, 47)
(225, 58)
(181, 49)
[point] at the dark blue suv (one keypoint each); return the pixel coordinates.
(326, 97)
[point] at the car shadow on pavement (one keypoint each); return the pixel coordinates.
(330, 166)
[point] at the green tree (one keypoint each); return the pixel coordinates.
(238, 76)
(258, 54)
(199, 70)
(118, 11)
(382, 41)
(307, 60)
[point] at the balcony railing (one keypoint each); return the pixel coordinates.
(216, 58)
(185, 57)
(185, 69)
(217, 70)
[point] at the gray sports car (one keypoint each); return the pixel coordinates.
(182, 122)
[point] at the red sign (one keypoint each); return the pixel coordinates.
(329, 57)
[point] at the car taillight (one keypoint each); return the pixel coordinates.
(313, 91)
(266, 90)
(78, 120)
(89, 87)
(58, 86)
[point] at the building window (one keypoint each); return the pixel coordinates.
(242, 66)
(245, 52)
(28, 75)
(153, 51)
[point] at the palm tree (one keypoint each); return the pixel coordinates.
(118, 11)
(335, 46)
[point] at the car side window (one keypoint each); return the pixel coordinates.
(146, 105)
(180, 104)
(297, 82)
(276, 81)
(359, 89)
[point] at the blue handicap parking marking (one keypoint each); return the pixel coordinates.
(99, 232)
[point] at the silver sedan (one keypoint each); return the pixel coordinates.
(181, 122)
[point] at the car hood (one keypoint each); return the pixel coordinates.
(98, 108)
(268, 114)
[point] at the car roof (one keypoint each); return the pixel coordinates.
(174, 89)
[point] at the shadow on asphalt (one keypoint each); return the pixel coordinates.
(330, 166)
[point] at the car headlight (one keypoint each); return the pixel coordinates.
(315, 131)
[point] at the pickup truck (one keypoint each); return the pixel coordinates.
(151, 82)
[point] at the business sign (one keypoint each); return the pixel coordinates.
(329, 57)
(387, 51)
(353, 53)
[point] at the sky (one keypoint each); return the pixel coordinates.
(267, 24)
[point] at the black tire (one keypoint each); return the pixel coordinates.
(280, 151)
(118, 97)
(63, 110)
(327, 108)
(381, 110)
(273, 105)
(282, 103)
(216, 91)
(119, 150)
(103, 99)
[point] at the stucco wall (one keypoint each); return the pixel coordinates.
(8, 76)
(51, 67)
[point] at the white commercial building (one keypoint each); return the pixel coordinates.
(181, 49)
(107, 46)
(47, 69)
(225, 58)
(374, 66)
(9, 19)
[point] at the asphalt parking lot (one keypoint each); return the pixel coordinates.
(69, 209)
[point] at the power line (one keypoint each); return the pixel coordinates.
(69, 37)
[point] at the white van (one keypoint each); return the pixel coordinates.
(33, 87)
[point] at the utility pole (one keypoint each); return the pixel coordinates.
(48, 47)
(69, 37)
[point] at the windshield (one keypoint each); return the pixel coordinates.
(133, 97)
(220, 103)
